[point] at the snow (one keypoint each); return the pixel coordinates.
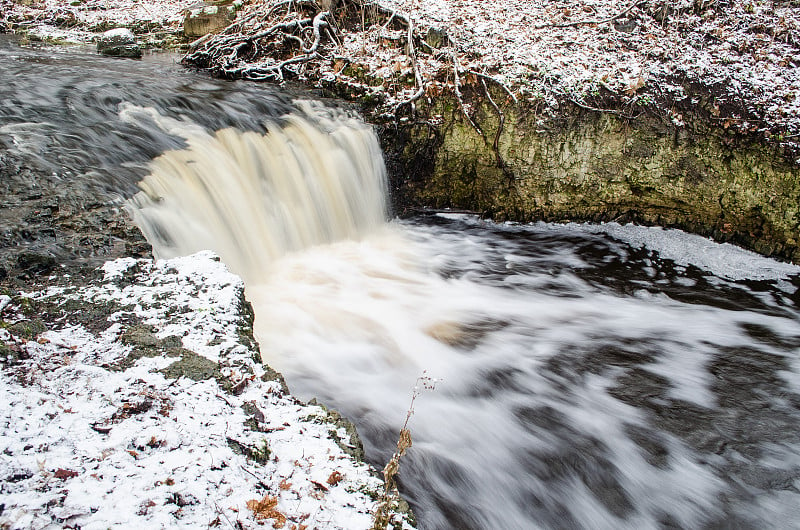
(85, 443)
(80, 23)
(721, 259)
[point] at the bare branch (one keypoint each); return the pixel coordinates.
(457, 88)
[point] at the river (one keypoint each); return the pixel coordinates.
(585, 376)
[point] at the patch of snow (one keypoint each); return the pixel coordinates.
(721, 259)
(85, 442)
(115, 269)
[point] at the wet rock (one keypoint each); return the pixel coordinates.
(36, 262)
(626, 25)
(352, 444)
(120, 42)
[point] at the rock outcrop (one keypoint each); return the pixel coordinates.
(593, 166)
(204, 18)
(120, 42)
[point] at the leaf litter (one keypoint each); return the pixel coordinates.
(89, 442)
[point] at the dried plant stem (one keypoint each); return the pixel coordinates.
(383, 513)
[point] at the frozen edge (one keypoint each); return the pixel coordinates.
(85, 444)
(684, 249)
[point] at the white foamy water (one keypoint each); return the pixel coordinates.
(255, 197)
(586, 384)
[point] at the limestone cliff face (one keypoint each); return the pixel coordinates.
(586, 165)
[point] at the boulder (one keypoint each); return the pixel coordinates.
(204, 18)
(120, 42)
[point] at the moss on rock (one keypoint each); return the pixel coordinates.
(591, 166)
(27, 329)
(194, 366)
(352, 445)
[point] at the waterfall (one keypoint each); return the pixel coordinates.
(317, 177)
(586, 383)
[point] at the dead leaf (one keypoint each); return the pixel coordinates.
(265, 509)
(335, 478)
(145, 507)
(285, 485)
(319, 485)
(64, 474)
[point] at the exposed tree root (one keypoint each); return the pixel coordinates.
(252, 49)
(277, 40)
(415, 64)
(460, 97)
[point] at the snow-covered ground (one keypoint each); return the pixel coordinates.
(745, 53)
(81, 20)
(117, 422)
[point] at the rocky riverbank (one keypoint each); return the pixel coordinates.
(134, 395)
(680, 114)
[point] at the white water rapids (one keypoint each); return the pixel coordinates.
(586, 383)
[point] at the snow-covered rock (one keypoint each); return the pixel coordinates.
(139, 400)
(120, 42)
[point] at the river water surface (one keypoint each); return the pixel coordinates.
(588, 376)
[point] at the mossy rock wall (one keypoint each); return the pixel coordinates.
(592, 166)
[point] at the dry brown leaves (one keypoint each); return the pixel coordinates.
(335, 478)
(266, 509)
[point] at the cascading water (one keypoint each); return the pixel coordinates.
(594, 376)
(585, 385)
(256, 197)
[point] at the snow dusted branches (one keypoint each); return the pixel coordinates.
(592, 22)
(255, 48)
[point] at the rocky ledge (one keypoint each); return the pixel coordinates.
(683, 114)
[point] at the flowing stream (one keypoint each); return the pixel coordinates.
(588, 376)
